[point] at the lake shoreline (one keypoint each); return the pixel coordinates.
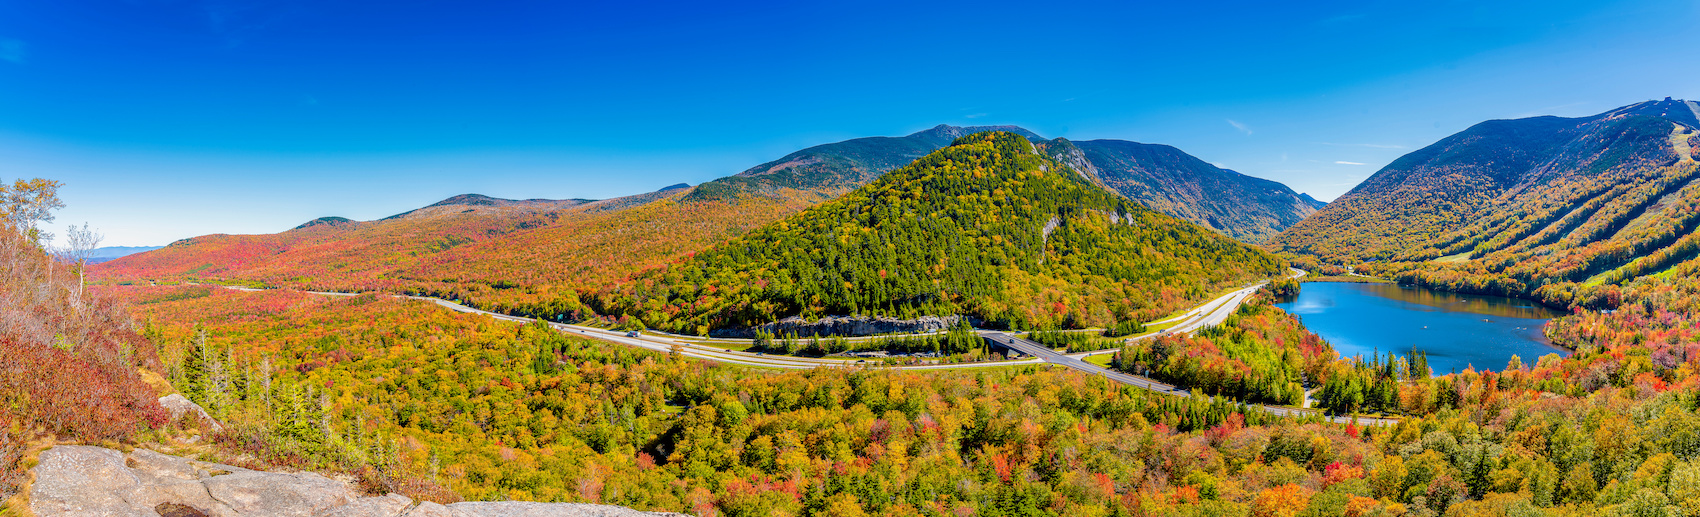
(1456, 330)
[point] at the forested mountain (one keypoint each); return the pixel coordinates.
(1597, 214)
(466, 203)
(538, 256)
(989, 227)
(838, 167)
(1504, 184)
(1161, 177)
(1175, 183)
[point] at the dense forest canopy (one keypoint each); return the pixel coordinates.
(988, 227)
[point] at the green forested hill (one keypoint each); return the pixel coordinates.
(990, 227)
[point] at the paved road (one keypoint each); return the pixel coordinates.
(1051, 356)
(1048, 355)
(688, 348)
(1210, 313)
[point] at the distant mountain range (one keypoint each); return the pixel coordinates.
(536, 255)
(1160, 177)
(99, 255)
(1547, 206)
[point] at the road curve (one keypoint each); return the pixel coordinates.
(1211, 313)
(1075, 363)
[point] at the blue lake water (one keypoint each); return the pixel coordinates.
(1456, 330)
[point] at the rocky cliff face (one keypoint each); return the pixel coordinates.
(99, 482)
(845, 326)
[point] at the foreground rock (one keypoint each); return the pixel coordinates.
(845, 326)
(97, 482)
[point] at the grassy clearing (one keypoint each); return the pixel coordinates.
(1461, 257)
(1100, 360)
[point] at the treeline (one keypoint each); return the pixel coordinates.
(987, 227)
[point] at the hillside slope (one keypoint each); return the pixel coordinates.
(71, 362)
(1486, 174)
(1172, 182)
(1546, 207)
(538, 256)
(988, 227)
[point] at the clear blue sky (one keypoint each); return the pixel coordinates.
(173, 118)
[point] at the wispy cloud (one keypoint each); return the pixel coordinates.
(975, 115)
(12, 50)
(1343, 162)
(1372, 146)
(1237, 125)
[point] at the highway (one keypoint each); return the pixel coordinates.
(1045, 353)
(1211, 313)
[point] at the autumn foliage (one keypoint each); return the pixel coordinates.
(989, 227)
(68, 365)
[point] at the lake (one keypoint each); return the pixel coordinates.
(1457, 330)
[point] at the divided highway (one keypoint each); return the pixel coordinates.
(1210, 313)
(1074, 362)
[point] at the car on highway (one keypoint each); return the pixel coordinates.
(633, 333)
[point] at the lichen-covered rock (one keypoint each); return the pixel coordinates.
(89, 481)
(393, 505)
(430, 509)
(75, 480)
(284, 495)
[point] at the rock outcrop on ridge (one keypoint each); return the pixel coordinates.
(844, 326)
(86, 481)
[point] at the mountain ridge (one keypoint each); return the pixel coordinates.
(1567, 211)
(969, 229)
(1434, 190)
(539, 256)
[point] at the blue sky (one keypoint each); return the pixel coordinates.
(173, 118)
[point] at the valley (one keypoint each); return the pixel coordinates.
(1070, 314)
(805, 259)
